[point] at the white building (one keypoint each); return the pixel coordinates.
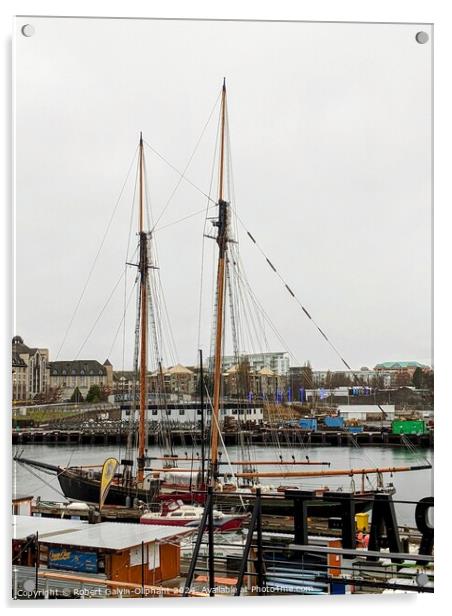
(192, 416)
(366, 412)
(278, 362)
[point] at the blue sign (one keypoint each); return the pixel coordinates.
(72, 560)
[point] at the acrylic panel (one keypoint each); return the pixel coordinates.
(223, 281)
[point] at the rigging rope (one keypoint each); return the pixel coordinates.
(90, 273)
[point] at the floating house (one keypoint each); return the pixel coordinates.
(119, 552)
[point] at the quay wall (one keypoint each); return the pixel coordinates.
(289, 438)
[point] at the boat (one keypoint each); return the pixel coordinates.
(175, 513)
(229, 493)
(131, 484)
(139, 480)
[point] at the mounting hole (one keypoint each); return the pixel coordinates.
(27, 30)
(422, 37)
(422, 579)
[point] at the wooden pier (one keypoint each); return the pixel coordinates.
(106, 435)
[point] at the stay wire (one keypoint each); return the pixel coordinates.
(187, 166)
(99, 315)
(291, 292)
(96, 257)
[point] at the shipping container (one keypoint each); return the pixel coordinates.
(334, 422)
(308, 424)
(404, 426)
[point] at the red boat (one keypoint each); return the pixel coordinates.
(178, 514)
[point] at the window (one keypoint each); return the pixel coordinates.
(154, 411)
(181, 411)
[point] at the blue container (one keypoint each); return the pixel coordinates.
(355, 428)
(308, 424)
(334, 422)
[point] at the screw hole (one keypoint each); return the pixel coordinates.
(422, 37)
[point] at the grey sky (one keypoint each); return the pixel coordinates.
(330, 133)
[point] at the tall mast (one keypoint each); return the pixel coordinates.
(222, 239)
(143, 269)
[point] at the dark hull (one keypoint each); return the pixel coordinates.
(270, 505)
(79, 487)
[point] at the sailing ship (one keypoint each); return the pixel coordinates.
(83, 483)
(139, 480)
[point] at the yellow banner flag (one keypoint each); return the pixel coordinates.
(108, 472)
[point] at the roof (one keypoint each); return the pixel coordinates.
(393, 365)
(20, 347)
(18, 362)
(266, 372)
(26, 525)
(232, 370)
(107, 362)
(21, 497)
(178, 369)
(77, 367)
(117, 535)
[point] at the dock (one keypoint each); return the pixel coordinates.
(107, 435)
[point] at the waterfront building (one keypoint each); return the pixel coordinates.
(176, 414)
(278, 362)
(30, 370)
(399, 373)
(341, 378)
(19, 378)
(243, 382)
(178, 381)
(367, 412)
(81, 374)
(130, 553)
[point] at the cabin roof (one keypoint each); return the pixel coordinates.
(117, 535)
(26, 525)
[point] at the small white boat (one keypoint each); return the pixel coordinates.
(178, 514)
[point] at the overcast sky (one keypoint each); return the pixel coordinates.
(330, 128)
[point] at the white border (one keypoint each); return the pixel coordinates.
(420, 11)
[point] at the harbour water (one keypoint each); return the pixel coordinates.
(410, 486)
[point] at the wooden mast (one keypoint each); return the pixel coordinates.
(222, 239)
(143, 268)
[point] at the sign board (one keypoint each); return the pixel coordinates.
(72, 560)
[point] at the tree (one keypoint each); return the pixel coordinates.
(76, 396)
(418, 378)
(94, 394)
(402, 378)
(105, 391)
(50, 396)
